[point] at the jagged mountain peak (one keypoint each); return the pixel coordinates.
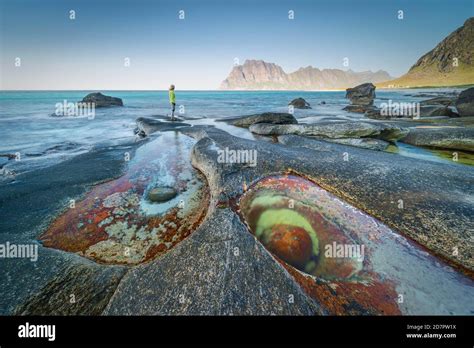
(257, 74)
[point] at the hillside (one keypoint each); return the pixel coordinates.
(450, 63)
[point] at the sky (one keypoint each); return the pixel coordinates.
(91, 52)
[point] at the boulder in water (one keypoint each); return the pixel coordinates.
(101, 100)
(300, 103)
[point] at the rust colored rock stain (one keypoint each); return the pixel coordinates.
(109, 225)
(293, 245)
(341, 298)
(342, 285)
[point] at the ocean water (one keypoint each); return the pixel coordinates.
(27, 127)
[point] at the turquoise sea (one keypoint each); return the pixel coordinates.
(28, 127)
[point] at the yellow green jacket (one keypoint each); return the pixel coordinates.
(172, 96)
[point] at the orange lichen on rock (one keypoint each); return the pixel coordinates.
(350, 298)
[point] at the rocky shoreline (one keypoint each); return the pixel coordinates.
(413, 217)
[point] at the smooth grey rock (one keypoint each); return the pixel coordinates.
(410, 112)
(364, 143)
(375, 114)
(204, 275)
(421, 185)
(300, 103)
(147, 126)
(430, 111)
(101, 100)
(334, 130)
(266, 117)
(439, 227)
(363, 94)
(465, 102)
(442, 137)
(161, 194)
(91, 285)
(443, 100)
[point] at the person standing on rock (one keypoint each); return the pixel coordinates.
(172, 101)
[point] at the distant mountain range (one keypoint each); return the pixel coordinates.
(450, 63)
(260, 75)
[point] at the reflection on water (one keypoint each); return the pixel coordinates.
(433, 155)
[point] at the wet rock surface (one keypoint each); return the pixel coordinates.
(266, 117)
(442, 137)
(365, 143)
(443, 100)
(147, 126)
(220, 267)
(80, 289)
(360, 108)
(116, 223)
(411, 112)
(440, 228)
(353, 180)
(334, 130)
(429, 111)
(219, 270)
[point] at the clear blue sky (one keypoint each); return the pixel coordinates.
(198, 52)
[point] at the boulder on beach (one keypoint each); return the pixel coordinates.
(455, 138)
(266, 117)
(100, 100)
(465, 102)
(300, 103)
(161, 194)
(363, 94)
(334, 130)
